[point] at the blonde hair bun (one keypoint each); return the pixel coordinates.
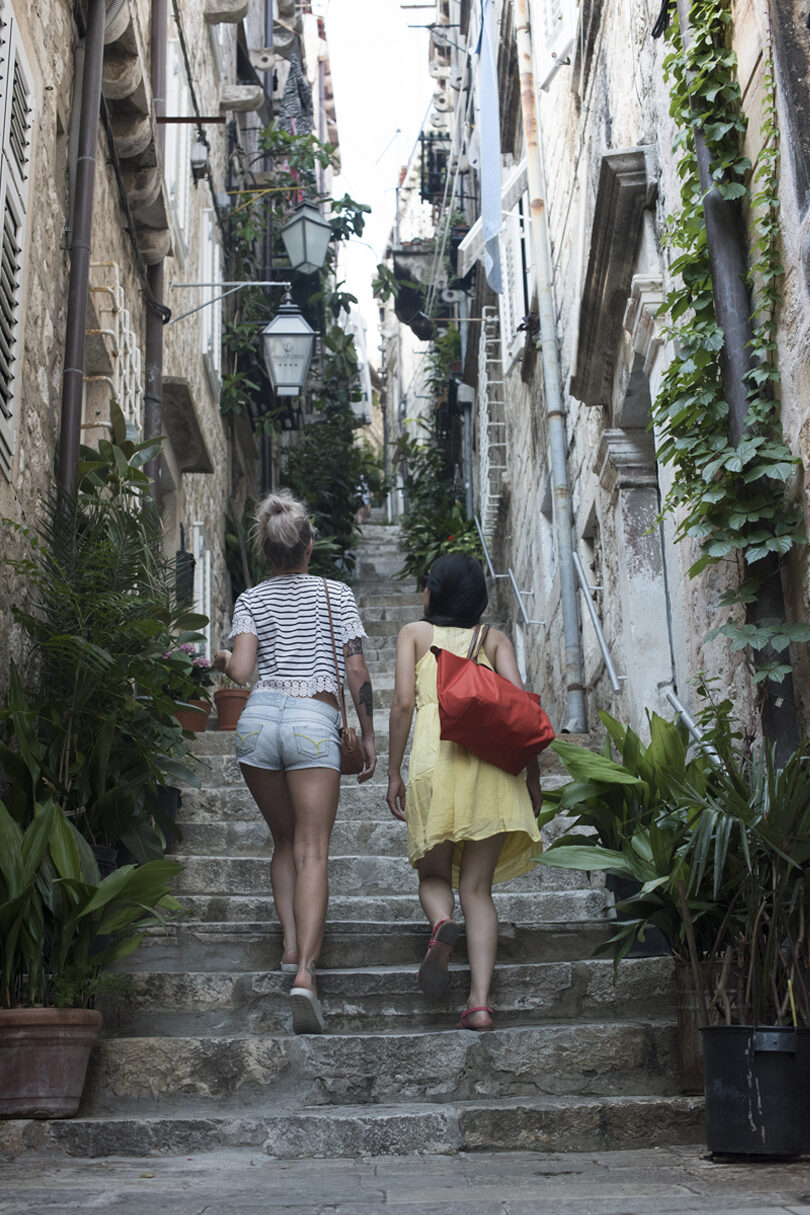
(283, 529)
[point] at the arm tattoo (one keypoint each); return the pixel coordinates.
(355, 646)
(366, 699)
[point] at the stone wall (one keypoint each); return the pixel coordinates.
(654, 617)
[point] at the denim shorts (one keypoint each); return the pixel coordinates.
(288, 732)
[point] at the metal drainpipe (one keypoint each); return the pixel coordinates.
(80, 246)
(729, 267)
(153, 387)
(576, 722)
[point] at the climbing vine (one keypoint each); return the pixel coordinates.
(730, 497)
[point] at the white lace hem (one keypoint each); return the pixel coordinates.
(297, 687)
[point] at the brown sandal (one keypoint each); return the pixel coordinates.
(467, 1012)
(433, 974)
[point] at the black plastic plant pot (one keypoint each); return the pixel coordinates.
(757, 1085)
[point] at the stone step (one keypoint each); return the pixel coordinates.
(216, 947)
(384, 998)
(391, 598)
(252, 837)
(547, 906)
(373, 875)
(225, 795)
(543, 1124)
(198, 1075)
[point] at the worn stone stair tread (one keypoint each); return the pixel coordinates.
(557, 1058)
(511, 1124)
(370, 874)
(220, 945)
(580, 904)
(356, 999)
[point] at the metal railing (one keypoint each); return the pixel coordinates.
(587, 591)
(693, 728)
(509, 574)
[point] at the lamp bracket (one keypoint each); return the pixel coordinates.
(233, 288)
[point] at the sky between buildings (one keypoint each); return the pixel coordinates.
(382, 93)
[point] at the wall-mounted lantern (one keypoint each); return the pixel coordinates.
(288, 345)
(199, 160)
(306, 238)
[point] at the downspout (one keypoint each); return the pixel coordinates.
(725, 239)
(153, 388)
(80, 246)
(576, 721)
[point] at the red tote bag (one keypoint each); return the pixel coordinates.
(485, 713)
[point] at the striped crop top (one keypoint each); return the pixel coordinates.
(289, 617)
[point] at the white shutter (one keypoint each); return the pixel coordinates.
(555, 28)
(211, 315)
(16, 115)
(513, 303)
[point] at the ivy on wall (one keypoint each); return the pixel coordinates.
(730, 498)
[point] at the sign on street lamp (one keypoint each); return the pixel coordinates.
(288, 345)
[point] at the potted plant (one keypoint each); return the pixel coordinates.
(230, 699)
(61, 926)
(721, 846)
(748, 853)
(192, 675)
(629, 821)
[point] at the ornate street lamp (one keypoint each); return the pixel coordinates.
(288, 345)
(306, 238)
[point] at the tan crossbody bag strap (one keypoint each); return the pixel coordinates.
(477, 643)
(341, 697)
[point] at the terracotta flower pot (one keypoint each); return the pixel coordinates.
(230, 702)
(44, 1054)
(194, 719)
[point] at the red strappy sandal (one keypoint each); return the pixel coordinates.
(433, 973)
(467, 1012)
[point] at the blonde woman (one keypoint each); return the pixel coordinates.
(287, 739)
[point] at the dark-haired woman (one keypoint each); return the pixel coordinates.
(288, 737)
(469, 823)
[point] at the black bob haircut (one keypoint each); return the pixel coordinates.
(458, 591)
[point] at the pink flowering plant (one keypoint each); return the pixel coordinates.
(190, 672)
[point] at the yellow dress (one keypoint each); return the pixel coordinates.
(451, 794)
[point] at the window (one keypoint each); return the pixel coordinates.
(16, 115)
(177, 155)
(514, 300)
(211, 315)
(555, 22)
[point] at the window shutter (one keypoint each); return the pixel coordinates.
(555, 27)
(513, 298)
(16, 116)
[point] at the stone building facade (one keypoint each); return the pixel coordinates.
(165, 184)
(606, 142)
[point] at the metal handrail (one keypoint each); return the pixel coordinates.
(509, 574)
(597, 624)
(693, 728)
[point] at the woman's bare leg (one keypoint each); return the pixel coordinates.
(271, 795)
(435, 883)
(478, 861)
(314, 796)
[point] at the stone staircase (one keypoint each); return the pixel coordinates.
(200, 1054)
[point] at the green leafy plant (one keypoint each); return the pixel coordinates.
(435, 521)
(95, 729)
(61, 926)
(730, 497)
